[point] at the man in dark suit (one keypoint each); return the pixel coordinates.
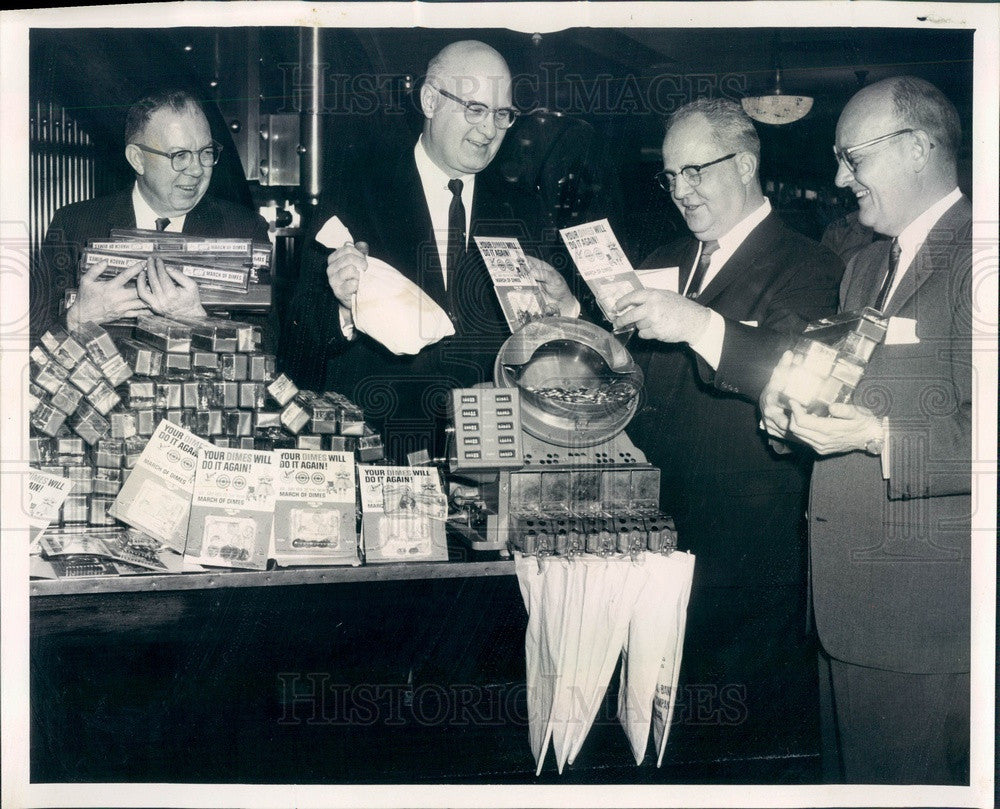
(169, 145)
(890, 504)
(738, 506)
(418, 212)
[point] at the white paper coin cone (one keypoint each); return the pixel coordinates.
(653, 652)
(610, 609)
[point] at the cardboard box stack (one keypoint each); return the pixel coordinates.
(94, 403)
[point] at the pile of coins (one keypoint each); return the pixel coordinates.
(616, 393)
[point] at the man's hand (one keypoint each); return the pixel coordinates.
(554, 288)
(848, 428)
(774, 415)
(343, 268)
(102, 301)
(661, 315)
(168, 291)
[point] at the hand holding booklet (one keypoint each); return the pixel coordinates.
(602, 263)
(519, 294)
(388, 306)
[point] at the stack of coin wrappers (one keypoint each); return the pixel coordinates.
(95, 400)
(830, 358)
(232, 274)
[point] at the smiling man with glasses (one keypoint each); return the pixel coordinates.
(738, 507)
(890, 503)
(170, 148)
(419, 210)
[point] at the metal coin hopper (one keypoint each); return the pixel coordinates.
(579, 385)
(576, 483)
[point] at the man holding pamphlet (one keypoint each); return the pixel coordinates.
(737, 504)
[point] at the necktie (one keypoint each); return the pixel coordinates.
(694, 288)
(456, 230)
(161, 224)
(883, 293)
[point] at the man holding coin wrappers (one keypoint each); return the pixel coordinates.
(169, 145)
(890, 504)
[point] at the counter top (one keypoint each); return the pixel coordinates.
(279, 577)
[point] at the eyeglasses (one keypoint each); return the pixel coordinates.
(692, 174)
(846, 156)
(181, 159)
(475, 112)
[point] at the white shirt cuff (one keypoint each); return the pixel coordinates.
(884, 456)
(708, 345)
(346, 322)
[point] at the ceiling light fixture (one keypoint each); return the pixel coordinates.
(776, 107)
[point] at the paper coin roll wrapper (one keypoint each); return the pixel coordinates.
(388, 306)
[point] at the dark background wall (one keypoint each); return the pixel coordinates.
(602, 95)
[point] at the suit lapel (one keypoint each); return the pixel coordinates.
(916, 274)
(934, 255)
(866, 277)
(195, 220)
(741, 263)
(407, 222)
(121, 214)
(686, 262)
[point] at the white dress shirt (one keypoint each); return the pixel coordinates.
(709, 342)
(145, 217)
(439, 196)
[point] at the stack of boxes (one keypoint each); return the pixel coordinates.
(830, 359)
(95, 402)
(71, 396)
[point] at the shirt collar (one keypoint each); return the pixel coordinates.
(915, 233)
(734, 238)
(431, 175)
(145, 216)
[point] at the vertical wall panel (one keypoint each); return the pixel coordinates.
(62, 166)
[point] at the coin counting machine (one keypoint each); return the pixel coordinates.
(546, 446)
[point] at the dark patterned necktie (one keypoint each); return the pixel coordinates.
(161, 224)
(456, 231)
(883, 293)
(694, 288)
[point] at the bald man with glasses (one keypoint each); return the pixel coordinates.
(890, 500)
(170, 148)
(419, 211)
(737, 504)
